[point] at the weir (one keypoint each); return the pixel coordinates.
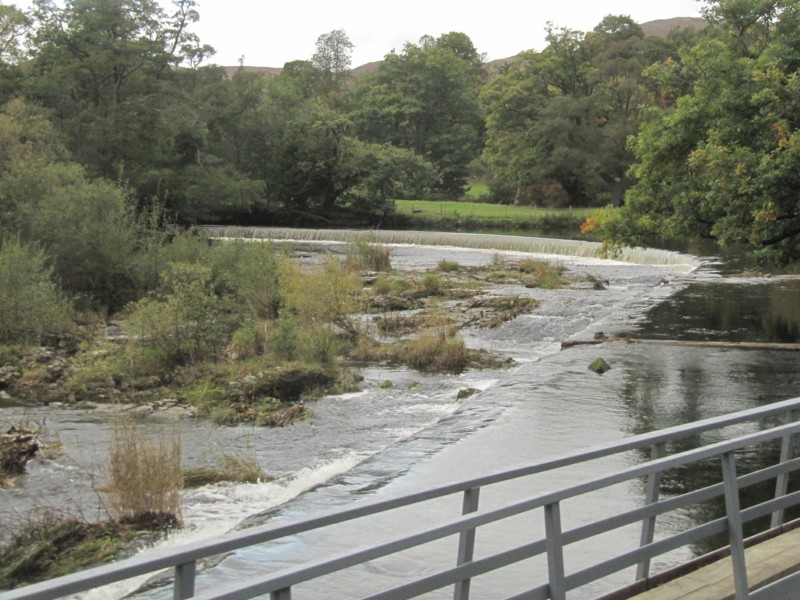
(478, 241)
(726, 443)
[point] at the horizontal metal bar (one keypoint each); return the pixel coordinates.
(787, 588)
(631, 558)
(450, 576)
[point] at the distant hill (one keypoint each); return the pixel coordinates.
(662, 27)
(658, 28)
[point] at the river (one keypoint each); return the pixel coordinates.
(386, 441)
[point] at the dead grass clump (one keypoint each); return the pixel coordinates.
(364, 255)
(541, 274)
(144, 473)
(447, 266)
(432, 352)
(242, 467)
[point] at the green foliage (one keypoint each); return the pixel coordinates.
(328, 295)
(366, 255)
(53, 544)
(724, 163)
(558, 120)
(424, 99)
(186, 324)
(32, 307)
(447, 266)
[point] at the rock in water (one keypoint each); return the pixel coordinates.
(599, 366)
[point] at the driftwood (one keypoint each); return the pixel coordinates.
(17, 446)
(707, 344)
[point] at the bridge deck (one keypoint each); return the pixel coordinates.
(766, 562)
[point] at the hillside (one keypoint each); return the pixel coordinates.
(658, 28)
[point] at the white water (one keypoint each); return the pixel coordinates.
(406, 437)
(541, 247)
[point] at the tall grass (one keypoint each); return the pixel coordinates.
(144, 473)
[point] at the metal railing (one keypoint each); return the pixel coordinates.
(775, 424)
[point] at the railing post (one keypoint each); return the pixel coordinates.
(284, 594)
(555, 551)
(735, 531)
(184, 580)
(466, 542)
(782, 481)
(652, 491)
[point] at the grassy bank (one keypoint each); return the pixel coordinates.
(466, 216)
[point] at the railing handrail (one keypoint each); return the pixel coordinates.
(293, 575)
(178, 557)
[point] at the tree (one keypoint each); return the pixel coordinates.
(558, 120)
(105, 69)
(425, 99)
(332, 58)
(725, 163)
(14, 25)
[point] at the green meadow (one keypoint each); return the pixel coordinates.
(478, 215)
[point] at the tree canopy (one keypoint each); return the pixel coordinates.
(724, 163)
(694, 134)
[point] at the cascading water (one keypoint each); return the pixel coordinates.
(530, 245)
(389, 440)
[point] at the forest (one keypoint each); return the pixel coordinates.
(693, 134)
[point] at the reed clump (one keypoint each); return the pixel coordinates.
(144, 474)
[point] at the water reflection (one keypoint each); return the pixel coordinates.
(727, 311)
(670, 385)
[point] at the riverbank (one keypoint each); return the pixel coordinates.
(408, 399)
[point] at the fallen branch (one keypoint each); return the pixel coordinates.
(700, 344)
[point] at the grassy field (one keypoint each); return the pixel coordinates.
(424, 210)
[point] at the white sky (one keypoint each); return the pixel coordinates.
(269, 33)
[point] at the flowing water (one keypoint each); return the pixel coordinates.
(381, 442)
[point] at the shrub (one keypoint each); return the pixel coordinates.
(542, 274)
(365, 255)
(326, 295)
(249, 272)
(249, 340)
(447, 266)
(188, 324)
(432, 285)
(32, 307)
(88, 227)
(385, 286)
(431, 352)
(144, 473)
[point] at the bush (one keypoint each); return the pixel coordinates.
(447, 266)
(542, 274)
(32, 307)
(248, 271)
(327, 295)
(432, 352)
(432, 285)
(187, 324)
(364, 255)
(144, 474)
(249, 340)
(89, 228)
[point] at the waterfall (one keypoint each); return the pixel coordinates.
(481, 241)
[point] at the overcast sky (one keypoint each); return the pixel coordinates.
(271, 33)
